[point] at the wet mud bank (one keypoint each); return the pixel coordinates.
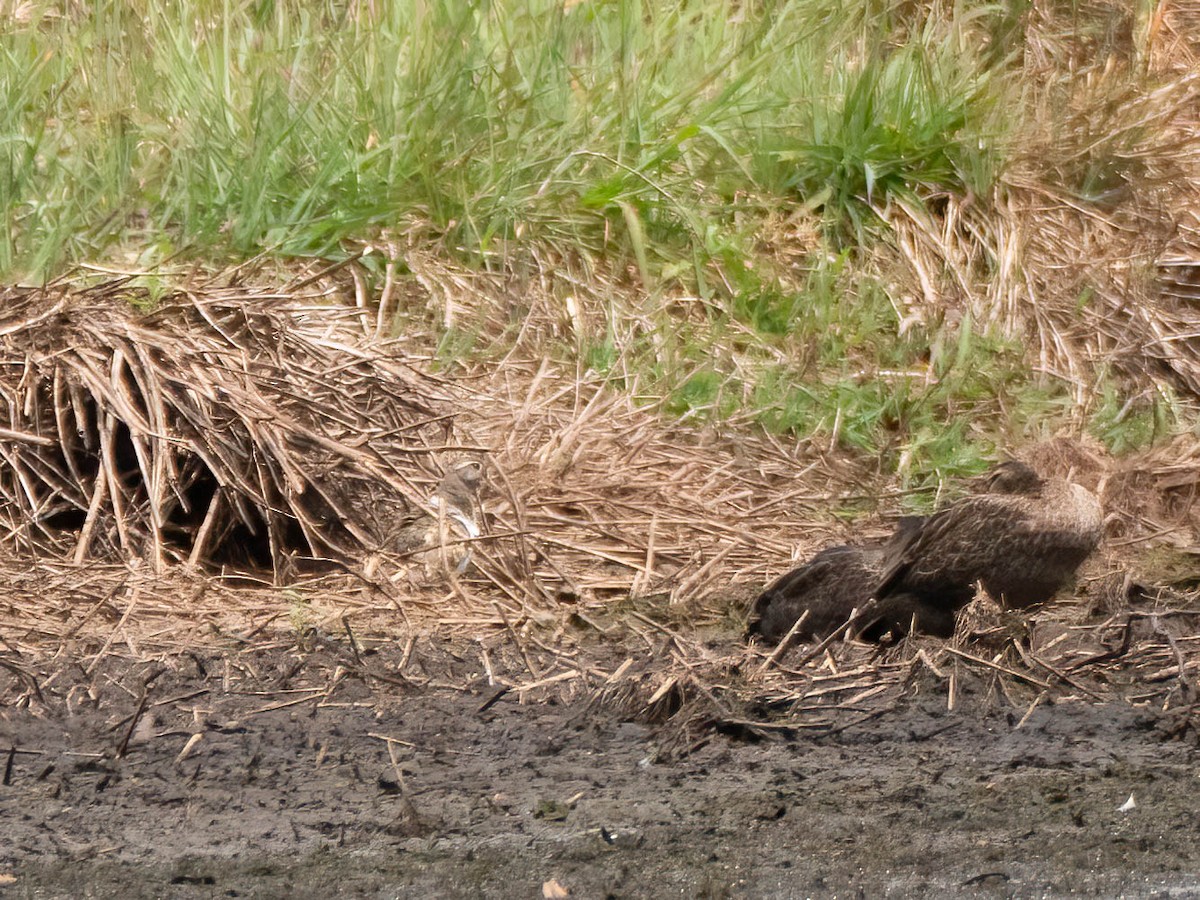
(211, 786)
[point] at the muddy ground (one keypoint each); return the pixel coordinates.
(304, 785)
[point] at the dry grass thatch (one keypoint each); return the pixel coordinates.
(1089, 243)
(229, 427)
(614, 540)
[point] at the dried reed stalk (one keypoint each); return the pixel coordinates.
(223, 417)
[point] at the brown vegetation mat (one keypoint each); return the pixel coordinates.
(618, 557)
(63, 629)
(223, 419)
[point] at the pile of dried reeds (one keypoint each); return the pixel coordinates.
(616, 538)
(1089, 244)
(236, 428)
(622, 502)
(226, 427)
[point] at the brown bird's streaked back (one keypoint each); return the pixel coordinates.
(1023, 539)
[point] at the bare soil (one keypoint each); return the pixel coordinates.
(303, 782)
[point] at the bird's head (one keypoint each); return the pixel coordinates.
(460, 487)
(1011, 477)
(469, 472)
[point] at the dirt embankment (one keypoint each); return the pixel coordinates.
(169, 731)
(219, 782)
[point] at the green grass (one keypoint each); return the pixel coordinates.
(661, 138)
(881, 122)
(1124, 423)
(928, 405)
(141, 130)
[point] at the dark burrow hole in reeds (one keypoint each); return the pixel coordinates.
(240, 542)
(212, 432)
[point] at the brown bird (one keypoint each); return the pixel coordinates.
(1022, 536)
(435, 537)
(1023, 540)
(833, 585)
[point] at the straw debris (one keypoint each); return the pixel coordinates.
(619, 550)
(226, 428)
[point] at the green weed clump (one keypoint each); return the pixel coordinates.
(895, 120)
(1125, 423)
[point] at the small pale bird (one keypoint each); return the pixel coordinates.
(438, 538)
